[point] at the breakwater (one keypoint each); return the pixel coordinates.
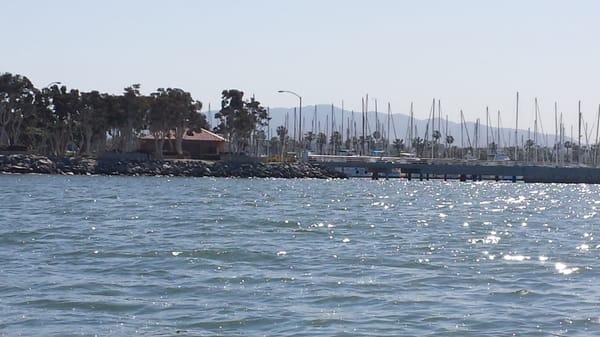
(528, 173)
(447, 170)
(29, 163)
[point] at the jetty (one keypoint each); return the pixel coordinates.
(463, 170)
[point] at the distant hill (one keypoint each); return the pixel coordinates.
(400, 122)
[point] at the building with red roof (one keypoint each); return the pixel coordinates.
(196, 145)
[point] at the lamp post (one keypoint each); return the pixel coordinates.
(52, 83)
(299, 111)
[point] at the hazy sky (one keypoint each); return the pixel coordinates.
(469, 54)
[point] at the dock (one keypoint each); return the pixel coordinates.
(465, 170)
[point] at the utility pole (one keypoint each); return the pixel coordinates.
(294, 133)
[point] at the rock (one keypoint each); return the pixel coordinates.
(19, 169)
(21, 163)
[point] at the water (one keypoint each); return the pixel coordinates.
(157, 256)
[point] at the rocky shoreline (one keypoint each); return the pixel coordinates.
(29, 163)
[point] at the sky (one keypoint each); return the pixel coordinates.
(468, 54)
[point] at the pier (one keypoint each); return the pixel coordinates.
(467, 170)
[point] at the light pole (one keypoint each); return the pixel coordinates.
(52, 83)
(299, 111)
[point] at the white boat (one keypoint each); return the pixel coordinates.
(354, 165)
(501, 156)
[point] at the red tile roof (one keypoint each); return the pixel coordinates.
(203, 135)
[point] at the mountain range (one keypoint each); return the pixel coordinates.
(399, 126)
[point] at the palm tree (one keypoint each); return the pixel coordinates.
(398, 145)
(418, 144)
(321, 141)
(274, 145)
(335, 142)
(568, 145)
(449, 141)
(529, 144)
(308, 138)
(259, 141)
(436, 136)
(282, 132)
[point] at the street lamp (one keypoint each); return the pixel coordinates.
(299, 110)
(52, 83)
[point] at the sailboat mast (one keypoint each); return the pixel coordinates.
(377, 120)
(411, 127)
(487, 130)
(597, 127)
(535, 132)
(439, 117)
(332, 131)
(432, 127)
(362, 149)
(446, 137)
(556, 144)
(315, 119)
(389, 119)
(498, 131)
(462, 143)
(579, 134)
(516, 130)
(342, 126)
(477, 137)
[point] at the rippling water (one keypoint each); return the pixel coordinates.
(122, 256)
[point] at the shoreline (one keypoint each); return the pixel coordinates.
(31, 163)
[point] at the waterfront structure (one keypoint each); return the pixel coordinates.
(196, 145)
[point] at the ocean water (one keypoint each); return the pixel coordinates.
(158, 256)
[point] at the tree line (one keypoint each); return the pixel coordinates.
(55, 120)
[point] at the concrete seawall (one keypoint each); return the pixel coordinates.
(477, 171)
(527, 173)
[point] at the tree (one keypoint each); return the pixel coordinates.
(282, 133)
(529, 144)
(63, 110)
(335, 141)
(159, 119)
(309, 137)
(239, 118)
(92, 120)
(398, 145)
(321, 141)
(449, 141)
(418, 144)
(132, 115)
(568, 145)
(436, 135)
(17, 104)
(274, 145)
(186, 116)
(173, 112)
(259, 141)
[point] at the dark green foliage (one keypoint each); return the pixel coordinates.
(55, 120)
(239, 118)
